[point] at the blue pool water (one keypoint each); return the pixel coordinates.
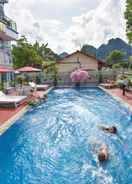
(56, 142)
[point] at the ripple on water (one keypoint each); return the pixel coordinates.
(57, 142)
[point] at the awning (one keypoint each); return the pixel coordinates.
(28, 69)
(5, 70)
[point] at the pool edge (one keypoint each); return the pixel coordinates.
(7, 124)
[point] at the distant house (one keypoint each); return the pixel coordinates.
(79, 59)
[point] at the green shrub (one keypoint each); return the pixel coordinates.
(13, 83)
(1, 86)
(33, 103)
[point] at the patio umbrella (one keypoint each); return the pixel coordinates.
(28, 69)
(79, 75)
(5, 70)
(30, 73)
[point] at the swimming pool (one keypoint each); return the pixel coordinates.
(56, 142)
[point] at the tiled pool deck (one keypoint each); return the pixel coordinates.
(127, 98)
(7, 114)
(117, 94)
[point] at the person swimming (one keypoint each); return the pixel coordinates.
(112, 130)
(103, 153)
(100, 149)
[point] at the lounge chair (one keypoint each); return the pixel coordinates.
(108, 84)
(39, 87)
(11, 101)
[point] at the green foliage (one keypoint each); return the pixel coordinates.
(123, 64)
(33, 103)
(50, 69)
(27, 54)
(115, 66)
(21, 79)
(128, 17)
(1, 86)
(24, 54)
(13, 83)
(120, 65)
(130, 60)
(46, 53)
(115, 57)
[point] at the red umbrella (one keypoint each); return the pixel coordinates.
(5, 70)
(28, 69)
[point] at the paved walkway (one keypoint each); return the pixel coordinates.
(118, 92)
(7, 113)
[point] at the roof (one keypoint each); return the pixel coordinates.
(88, 55)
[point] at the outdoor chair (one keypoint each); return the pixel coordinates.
(11, 101)
(109, 84)
(38, 86)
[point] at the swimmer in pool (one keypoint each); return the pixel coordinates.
(101, 150)
(103, 153)
(112, 130)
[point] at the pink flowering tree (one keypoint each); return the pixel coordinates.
(79, 76)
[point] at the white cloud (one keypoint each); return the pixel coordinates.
(99, 25)
(95, 26)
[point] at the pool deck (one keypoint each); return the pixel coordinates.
(127, 98)
(9, 115)
(117, 94)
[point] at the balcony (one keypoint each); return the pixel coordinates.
(8, 29)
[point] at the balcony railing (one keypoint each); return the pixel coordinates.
(9, 23)
(4, 1)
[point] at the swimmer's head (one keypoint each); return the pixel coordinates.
(113, 130)
(102, 157)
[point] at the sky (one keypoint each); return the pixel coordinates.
(68, 24)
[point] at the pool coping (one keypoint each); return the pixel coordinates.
(120, 100)
(7, 124)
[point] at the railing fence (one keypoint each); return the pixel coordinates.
(96, 77)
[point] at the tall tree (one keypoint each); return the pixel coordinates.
(51, 71)
(115, 57)
(24, 54)
(46, 53)
(128, 16)
(27, 54)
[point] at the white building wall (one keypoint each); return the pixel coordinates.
(5, 54)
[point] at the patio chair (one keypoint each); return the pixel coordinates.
(11, 101)
(39, 87)
(109, 84)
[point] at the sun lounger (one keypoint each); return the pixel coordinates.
(39, 87)
(108, 85)
(11, 101)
